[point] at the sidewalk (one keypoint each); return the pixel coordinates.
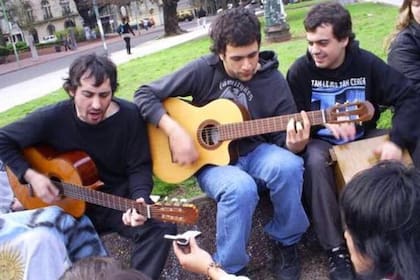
(42, 58)
(26, 91)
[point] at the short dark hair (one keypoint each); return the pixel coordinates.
(237, 27)
(332, 13)
(100, 67)
(381, 211)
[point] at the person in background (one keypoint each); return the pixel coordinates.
(404, 43)
(381, 210)
(112, 133)
(404, 48)
(201, 18)
(336, 70)
(126, 31)
(238, 71)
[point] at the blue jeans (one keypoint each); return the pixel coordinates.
(235, 190)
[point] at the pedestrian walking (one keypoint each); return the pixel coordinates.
(126, 31)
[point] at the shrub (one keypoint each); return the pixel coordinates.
(79, 34)
(45, 45)
(4, 51)
(20, 46)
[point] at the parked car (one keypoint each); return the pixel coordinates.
(48, 39)
(186, 14)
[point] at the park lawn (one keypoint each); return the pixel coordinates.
(372, 23)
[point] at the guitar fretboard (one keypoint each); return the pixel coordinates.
(105, 199)
(266, 125)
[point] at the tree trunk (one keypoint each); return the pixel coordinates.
(170, 18)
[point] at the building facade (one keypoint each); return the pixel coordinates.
(39, 18)
(43, 18)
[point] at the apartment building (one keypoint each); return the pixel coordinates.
(45, 17)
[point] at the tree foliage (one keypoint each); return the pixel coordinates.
(85, 8)
(17, 13)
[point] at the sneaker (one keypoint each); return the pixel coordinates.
(340, 264)
(287, 262)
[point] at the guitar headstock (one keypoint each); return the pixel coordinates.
(358, 111)
(173, 213)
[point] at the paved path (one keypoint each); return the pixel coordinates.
(34, 88)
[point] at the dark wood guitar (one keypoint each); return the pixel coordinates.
(76, 176)
(214, 126)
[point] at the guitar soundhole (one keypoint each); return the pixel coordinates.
(208, 134)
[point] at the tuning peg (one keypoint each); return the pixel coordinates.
(183, 201)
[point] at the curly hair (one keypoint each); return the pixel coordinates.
(99, 67)
(237, 27)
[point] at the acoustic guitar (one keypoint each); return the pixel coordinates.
(214, 126)
(75, 175)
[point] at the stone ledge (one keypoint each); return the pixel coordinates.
(260, 246)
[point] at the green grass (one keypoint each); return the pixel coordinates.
(372, 23)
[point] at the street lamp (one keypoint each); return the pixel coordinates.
(98, 21)
(10, 32)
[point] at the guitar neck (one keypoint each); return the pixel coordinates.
(104, 199)
(266, 125)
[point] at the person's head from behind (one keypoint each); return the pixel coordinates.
(381, 215)
(92, 82)
(91, 268)
(328, 32)
(236, 36)
(409, 12)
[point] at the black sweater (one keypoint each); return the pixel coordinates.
(362, 76)
(118, 145)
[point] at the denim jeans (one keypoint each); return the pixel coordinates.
(235, 190)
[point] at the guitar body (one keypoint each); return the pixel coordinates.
(214, 126)
(74, 167)
(192, 119)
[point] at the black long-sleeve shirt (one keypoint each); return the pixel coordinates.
(118, 145)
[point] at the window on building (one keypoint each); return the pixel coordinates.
(51, 29)
(29, 12)
(65, 7)
(46, 8)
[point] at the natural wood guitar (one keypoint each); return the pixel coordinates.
(214, 126)
(75, 174)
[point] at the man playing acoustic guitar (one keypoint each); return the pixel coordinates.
(112, 133)
(238, 71)
(334, 70)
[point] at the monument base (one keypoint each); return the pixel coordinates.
(277, 33)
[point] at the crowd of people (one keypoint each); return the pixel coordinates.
(370, 230)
